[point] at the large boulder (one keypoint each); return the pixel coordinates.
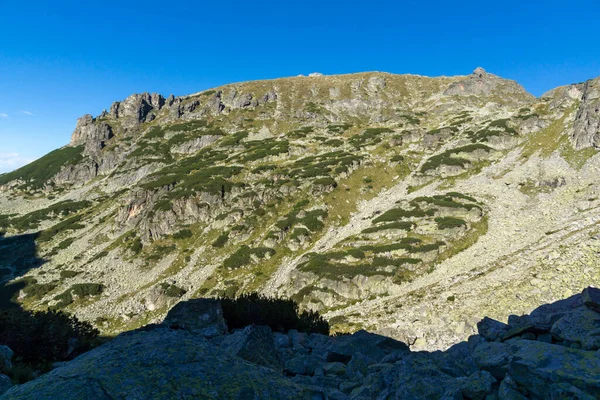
(536, 366)
(201, 316)
(369, 344)
(5, 384)
(582, 327)
(159, 363)
(255, 344)
(6, 355)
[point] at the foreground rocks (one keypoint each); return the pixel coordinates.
(550, 354)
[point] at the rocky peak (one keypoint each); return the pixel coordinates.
(136, 108)
(586, 127)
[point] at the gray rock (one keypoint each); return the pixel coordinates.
(586, 127)
(334, 368)
(537, 365)
(508, 390)
(591, 298)
(373, 346)
(159, 363)
(6, 355)
(5, 384)
(303, 364)
(493, 357)
(582, 326)
(563, 391)
(255, 344)
(478, 385)
(491, 329)
(202, 316)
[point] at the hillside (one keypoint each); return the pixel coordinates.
(402, 204)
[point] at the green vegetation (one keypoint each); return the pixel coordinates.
(183, 234)
(66, 274)
(37, 173)
(369, 137)
(259, 149)
(448, 158)
(280, 315)
(172, 290)
(222, 240)
(396, 214)
(80, 290)
(403, 225)
(243, 256)
(449, 222)
(41, 338)
(34, 218)
(66, 225)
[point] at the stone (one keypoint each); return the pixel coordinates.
(529, 336)
(491, 329)
(545, 337)
(493, 357)
(332, 356)
(478, 385)
(334, 368)
(303, 364)
(508, 390)
(6, 355)
(159, 363)
(5, 384)
(255, 344)
(348, 386)
(591, 298)
(201, 316)
(581, 326)
(586, 126)
(537, 365)
(563, 391)
(372, 345)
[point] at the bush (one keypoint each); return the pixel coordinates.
(221, 240)
(243, 256)
(42, 338)
(183, 234)
(280, 315)
(449, 222)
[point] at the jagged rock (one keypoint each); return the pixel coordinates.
(478, 385)
(255, 344)
(582, 326)
(369, 344)
(591, 298)
(202, 316)
(537, 365)
(493, 357)
(5, 384)
(6, 355)
(492, 330)
(508, 390)
(563, 391)
(160, 363)
(303, 364)
(586, 127)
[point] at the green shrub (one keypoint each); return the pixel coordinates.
(221, 240)
(397, 158)
(37, 173)
(280, 315)
(172, 290)
(243, 256)
(449, 222)
(183, 234)
(66, 274)
(403, 225)
(41, 338)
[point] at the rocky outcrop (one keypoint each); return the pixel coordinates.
(137, 108)
(586, 127)
(529, 358)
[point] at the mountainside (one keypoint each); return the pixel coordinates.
(407, 205)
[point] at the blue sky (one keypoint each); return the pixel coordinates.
(62, 59)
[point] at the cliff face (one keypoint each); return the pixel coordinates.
(381, 200)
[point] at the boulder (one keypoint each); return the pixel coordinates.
(536, 366)
(5, 384)
(563, 391)
(303, 364)
(255, 344)
(591, 298)
(201, 316)
(508, 390)
(371, 345)
(491, 329)
(6, 355)
(478, 385)
(159, 363)
(582, 326)
(493, 357)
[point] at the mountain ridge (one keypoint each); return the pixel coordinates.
(356, 195)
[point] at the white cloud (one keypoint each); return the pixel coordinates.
(26, 112)
(3, 115)
(12, 161)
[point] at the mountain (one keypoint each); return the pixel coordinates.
(406, 205)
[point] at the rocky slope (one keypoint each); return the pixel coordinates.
(553, 353)
(383, 201)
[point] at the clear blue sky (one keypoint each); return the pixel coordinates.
(62, 59)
